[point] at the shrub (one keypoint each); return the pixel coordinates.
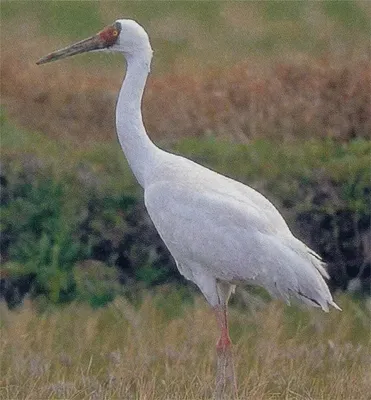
(39, 235)
(67, 237)
(50, 224)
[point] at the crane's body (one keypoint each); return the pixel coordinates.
(219, 231)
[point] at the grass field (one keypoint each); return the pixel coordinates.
(163, 348)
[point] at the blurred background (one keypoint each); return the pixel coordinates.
(275, 94)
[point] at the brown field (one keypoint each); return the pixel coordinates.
(298, 96)
(320, 99)
(145, 353)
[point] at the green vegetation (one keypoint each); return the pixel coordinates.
(72, 214)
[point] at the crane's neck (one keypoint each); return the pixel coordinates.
(137, 146)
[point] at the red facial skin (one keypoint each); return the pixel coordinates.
(109, 35)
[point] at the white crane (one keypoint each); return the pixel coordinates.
(219, 231)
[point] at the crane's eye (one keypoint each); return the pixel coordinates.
(115, 33)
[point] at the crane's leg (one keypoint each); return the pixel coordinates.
(226, 385)
(217, 293)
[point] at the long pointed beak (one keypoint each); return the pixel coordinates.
(93, 43)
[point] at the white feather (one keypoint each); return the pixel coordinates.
(219, 231)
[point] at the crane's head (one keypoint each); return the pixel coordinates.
(125, 36)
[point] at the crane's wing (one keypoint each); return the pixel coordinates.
(208, 222)
(196, 178)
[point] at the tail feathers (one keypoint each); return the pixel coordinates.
(321, 268)
(303, 277)
(312, 302)
(333, 304)
(316, 303)
(303, 251)
(318, 263)
(317, 298)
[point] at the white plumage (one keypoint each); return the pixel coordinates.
(219, 231)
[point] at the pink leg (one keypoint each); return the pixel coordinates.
(225, 370)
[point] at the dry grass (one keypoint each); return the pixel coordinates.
(122, 352)
(305, 98)
(320, 93)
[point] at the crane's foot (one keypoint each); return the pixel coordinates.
(226, 384)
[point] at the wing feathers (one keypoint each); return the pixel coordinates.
(233, 238)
